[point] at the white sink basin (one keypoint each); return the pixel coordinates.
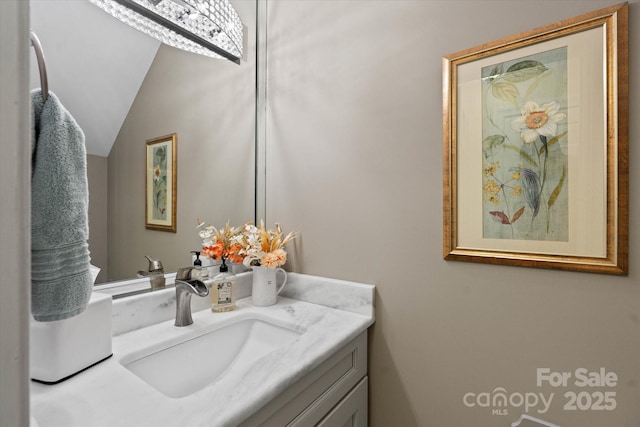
(184, 368)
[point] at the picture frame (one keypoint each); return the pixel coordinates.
(161, 181)
(535, 147)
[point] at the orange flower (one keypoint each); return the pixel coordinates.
(281, 256)
(269, 260)
(220, 243)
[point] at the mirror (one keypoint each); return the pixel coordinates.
(124, 88)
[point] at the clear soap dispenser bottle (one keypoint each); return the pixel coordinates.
(198, 272)
(223, 290)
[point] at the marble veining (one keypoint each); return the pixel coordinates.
(329, 314)
(340, 294)
(139, 311)
(142, 310)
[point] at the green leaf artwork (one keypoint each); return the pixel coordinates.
(524, 148)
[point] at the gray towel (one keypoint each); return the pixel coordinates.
(60, 277)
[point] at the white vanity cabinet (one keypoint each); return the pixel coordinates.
(334, 394)
(317, 378)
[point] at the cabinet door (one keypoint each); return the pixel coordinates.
(350, 411)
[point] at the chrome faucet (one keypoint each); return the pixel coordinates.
(185, 287)
(155, 273)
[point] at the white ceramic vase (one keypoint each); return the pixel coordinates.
(265, 289)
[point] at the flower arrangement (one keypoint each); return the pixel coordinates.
(264, 248)
(223, 243)
(253, 246)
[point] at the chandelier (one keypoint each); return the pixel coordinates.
(207, 27)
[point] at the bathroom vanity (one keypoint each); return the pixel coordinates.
(300, 362)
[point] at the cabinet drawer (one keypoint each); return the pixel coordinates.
(352, 410)
(307, 401)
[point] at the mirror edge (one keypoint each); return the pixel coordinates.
(260, 208)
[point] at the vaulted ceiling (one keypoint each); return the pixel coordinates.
(95, 65)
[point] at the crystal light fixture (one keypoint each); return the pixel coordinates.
(207, 27)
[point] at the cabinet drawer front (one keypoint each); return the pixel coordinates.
(307, 401)
(352, 410)
(333, 385)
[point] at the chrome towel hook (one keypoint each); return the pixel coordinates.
(35, 42)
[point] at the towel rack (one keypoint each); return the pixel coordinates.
(44, 85)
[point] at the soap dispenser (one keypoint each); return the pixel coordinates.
(198, 272)
(223, 290)
(197, 262)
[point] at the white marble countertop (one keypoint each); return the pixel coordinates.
(109, 395)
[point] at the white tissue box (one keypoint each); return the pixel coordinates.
(63, 348)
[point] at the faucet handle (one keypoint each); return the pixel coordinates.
(154, 264)
(184, 273)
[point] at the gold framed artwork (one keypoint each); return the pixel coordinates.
(161, 183)
(535, 147)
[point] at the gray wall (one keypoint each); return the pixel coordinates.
(97, 179)
(210, 104)
(15, 229)
(355, 164)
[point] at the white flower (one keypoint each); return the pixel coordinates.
(538, 120)
(207, 236)
(251, 255)
(253, 240)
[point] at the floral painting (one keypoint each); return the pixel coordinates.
(161, 179)
(159, 211)
(524, 148)
(535, 147)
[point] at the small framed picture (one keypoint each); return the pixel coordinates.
(161, 183)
